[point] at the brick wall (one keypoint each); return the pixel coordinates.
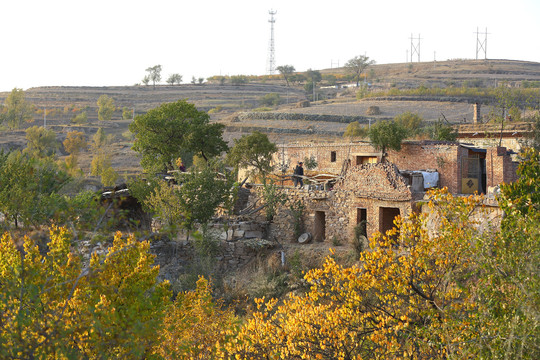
(499, 166)
(442, 156)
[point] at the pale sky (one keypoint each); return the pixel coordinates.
(112, 42)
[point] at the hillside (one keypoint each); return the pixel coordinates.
(233, 105)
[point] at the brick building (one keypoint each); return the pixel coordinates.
(374, 192)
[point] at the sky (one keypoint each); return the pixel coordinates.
(112, 42)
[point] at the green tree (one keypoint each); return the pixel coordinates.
(200, 192)
(354, 129)
(174, 79)
(239, 80)
(17, 109)
(146, 80)
(105, 108)
(410, 121)
(41, 142)
(253, 151)
(80, 119)
(535, 136)
(385, 135)
(314, 76)
(286, 71)
(101, 161)
(270, 99)
(510, 311)
(169, 131)
(154, 74)
(357, 65)
(29, 191)
(127, 113)
(75, 142)
(442, 132)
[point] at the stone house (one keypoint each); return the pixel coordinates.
(374, 192)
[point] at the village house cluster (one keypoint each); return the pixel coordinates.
(353, 184)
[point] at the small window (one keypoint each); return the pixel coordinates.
(333, 156)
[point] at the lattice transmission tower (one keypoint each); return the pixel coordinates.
(415, 47)
(271, 49)
(481, 45)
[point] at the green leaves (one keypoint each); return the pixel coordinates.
(387, 135)
(106, 108)
(253, 151)
(170, 130)
(29, 190)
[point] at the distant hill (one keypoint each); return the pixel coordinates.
(443, 73)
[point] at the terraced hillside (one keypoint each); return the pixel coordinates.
(234, 105)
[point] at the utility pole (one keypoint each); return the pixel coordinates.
(271, 49)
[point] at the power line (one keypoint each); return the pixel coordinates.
(271, 49)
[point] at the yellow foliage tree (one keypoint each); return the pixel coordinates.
(196, 327)
(410, 297)
(52, 307)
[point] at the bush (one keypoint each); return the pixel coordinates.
(271, 99)
(354, 129)
(373, 110)
(80, 119)
(410, 121)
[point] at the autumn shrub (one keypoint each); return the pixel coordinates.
(373, 110)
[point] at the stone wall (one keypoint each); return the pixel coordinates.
(368, 192)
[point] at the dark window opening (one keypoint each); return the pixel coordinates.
(333, 156)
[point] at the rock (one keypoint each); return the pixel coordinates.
(253, 234)
(304, 238)
(226, 235)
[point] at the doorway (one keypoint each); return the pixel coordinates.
(319, 231)
(361, 218)
(386, 218)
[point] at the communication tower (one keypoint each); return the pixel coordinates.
(271, 50)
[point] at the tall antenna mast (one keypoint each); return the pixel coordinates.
(415, 47)
(481, 45)
(271, 50)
